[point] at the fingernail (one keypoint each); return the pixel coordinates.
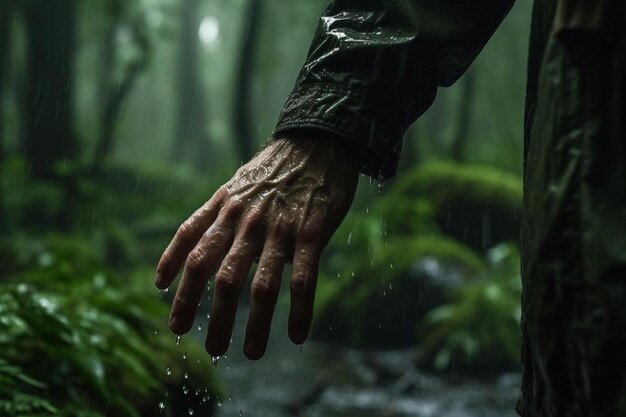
(157, 279)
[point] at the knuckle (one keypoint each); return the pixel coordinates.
(262, 287)
(184, 230)
(310, 232)
(300, 283)
(253, 221)
(226, 284)
(232, 210)
(195, 261)
(282, 228)
(182, 302)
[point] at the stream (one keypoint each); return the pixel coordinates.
(318, 380)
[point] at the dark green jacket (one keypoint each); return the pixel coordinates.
(374, 66)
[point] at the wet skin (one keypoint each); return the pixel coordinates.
(281, 207)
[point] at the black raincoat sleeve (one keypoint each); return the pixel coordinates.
(374, 67)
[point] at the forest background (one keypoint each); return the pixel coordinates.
(118, 118)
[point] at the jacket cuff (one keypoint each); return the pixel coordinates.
(371, 126)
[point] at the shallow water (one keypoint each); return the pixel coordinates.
(320, 380)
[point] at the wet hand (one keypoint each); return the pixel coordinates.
(283, 206)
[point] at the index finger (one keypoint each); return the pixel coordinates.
(187, 236)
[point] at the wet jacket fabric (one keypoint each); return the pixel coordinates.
(375, 65)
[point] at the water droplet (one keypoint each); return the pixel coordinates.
(214, 359)
(186, 375)
(381, 188)
(349, 238)
(190, 412)
(169, 371)
(199, 327)
(161, 406)
(177, 340)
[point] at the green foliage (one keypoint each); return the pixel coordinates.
(22, 395)
(442, 182)
(392, 265)
(479, 327)
(96, 342)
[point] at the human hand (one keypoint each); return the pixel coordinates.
(282, 206)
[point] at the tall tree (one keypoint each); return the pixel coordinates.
(114, 89)
(242, 119)
(191, 142)
(6, 8)
(48, 132)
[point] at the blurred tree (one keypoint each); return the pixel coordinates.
(114, 87)
(242, 119)
(6, 9)
(191, 142)
(48, 133)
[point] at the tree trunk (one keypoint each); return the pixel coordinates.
(5, 43)
(191, 141)
(115, 91)
(242, 120)
(6, 14)
(464, 118)
(48, 113)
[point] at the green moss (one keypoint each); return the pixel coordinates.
(384, 283)
(442, 182)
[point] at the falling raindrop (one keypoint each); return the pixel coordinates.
(214, 359)
(177, 340)
(168, 371)
(161, 406)
(186, 375)
(190, 412)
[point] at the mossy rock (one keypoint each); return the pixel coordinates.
(377, 303)
(479, 206)
(477, 331)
